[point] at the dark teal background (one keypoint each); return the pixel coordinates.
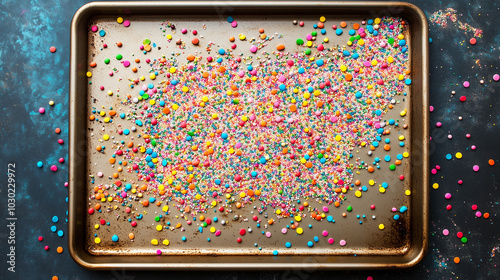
(31, 76)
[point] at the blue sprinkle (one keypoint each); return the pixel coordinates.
(339, 32)
(346, 53)
(152, 199)
(224, 135)
(222, 51)
(310, 244)
(184, 238)
(316, 239)
(355, 55)
(352, 32)
(378, 112)
(102, 33)
(320, 62)
(219, 60)
(402, 42)
(282, 87)
(408, 81)
(126, 132)
(385, 185)
(39, 164)
(358, 94)
(138, 122)
(263, 160)
(230, 19)
(430, 40)
(387, 140)
(364, 188)
(275, 252)
(448, 156)
(323, 31)
(60, 233)
(396, 217)
(200, 229)
(114, 238)
(301, 70)
(128, 186)
(387, 158)
(249, 68)
(254, 173)
(288, 244)
(53, 228)
(375, 144)
(403, 209)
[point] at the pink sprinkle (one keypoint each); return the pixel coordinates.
(325, 209)
(53, 168)
(217, 233)
(126, 23)
(496, 77)
(431, 108)
(447, 195)
(433, 171)
(41, 110)
(478, 214)
(439, 124)
(234, 24)
(446, 232)
(158, 252)
(325, 233)
(94, 28)
(369, 278)
(331, 240)
(342, 242)
(473, 147)
(60, 141)
(253, 48)
(467, 135)
(466, 84)
(460, 182)
(268, 234)
(284, 230)
(61, 160)
(475, 168)
(126, 63)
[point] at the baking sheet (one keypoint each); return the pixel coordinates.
(366, 245)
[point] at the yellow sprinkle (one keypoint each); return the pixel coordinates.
(175, 106)
(406, 154)
(361, 42)
(381, 190)
(169, 37)
(299, 230)
(243, 194)
(401, 77)
(298, 218)
(89, 74)
(390, 59)
(349, 43)
(215, 116)
(309, 43)
(212, 229)
(154, 242)
(172, 70)
(166, 242)
(408, 192)
(338, 137)
(307, 95)
(96, 226)
(322, 19)
(401, 36)
(401, 138)
(106, 120)
(197, 196)
(458, 155)
(371, 182)
(97, 240)
(185, 89)
(357, 193)
(435, 186)
(343, 68)
(159, 227)
(326, 40)
(374, 62)
(377, 20)
(242, 37)
(119, 20)
(402, 114)
(381, 226)
(105, 137)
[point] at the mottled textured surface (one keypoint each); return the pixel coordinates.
(31, 76)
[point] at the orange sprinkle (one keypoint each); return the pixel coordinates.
(55, 278)
(387, 147)
(293, 108)
(97, 206)
(58, 130)
(491, 162)
(343, 24)
(348, 77)
(112, 160)
(397, 162)
(321, 25)
(261, 30)
(357, 183)
(131, 235)
(456, 260)
(337, 204)
(60, 249)
(486, 215)
(92, 117)
(231, 39)
(93, 64)
(371, 169)
(257, 192)
(222, 69)
(355, 26)
(98, 148)
(145, 203)
(306, 204)
(250, 192)
(119, 44)
(190, 57)
(280, 47)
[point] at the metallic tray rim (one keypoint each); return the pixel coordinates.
(77, 145)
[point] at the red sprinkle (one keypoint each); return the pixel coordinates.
(463, 98)
(473, 41)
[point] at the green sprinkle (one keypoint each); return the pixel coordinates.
(119, 56)
(107, 61)
(146, 42)
(308, 51)
(300, 42)
(349, 208)
(390, 41)
(392, 167)
(464, 240)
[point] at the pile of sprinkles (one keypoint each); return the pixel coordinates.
(209, 132)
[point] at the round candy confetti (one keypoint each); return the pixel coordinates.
(52, 49)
